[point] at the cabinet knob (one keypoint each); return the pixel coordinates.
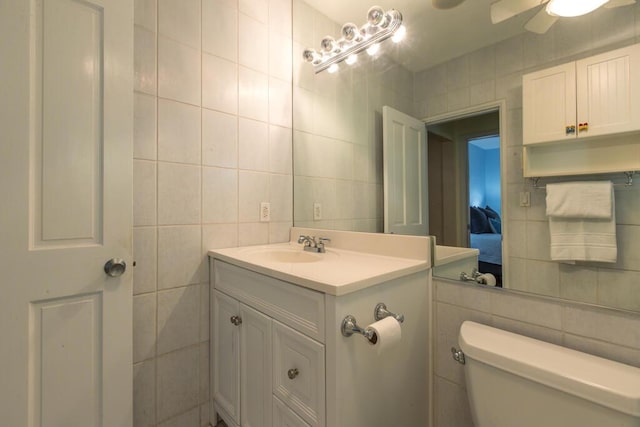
(570, 130)
(236, 320)
(292, 373)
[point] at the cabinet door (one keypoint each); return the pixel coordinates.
(549, 104)
(284, 416)
(255, 368)
(226, 355)
(298, 373)
(609, 92)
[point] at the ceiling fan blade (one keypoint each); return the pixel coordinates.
(445, 4)
(541, 22)
(617, 3)
(505, 9)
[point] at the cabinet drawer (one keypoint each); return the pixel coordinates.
(298, 307)
(298, 373)
(285, 417)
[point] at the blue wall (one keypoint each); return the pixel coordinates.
(484, 177)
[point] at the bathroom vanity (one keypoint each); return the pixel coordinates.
(279, 357)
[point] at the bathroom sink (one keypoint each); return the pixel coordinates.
(283, 255)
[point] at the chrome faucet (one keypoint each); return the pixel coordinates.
(313, 245)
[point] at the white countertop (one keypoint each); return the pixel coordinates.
(337, 272)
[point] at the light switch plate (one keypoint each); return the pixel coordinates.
(265, 212)
(525, 199)
(317, 211)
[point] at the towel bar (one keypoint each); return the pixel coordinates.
(628, 183)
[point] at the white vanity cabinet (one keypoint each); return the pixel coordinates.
(595, 96)
(266, 373)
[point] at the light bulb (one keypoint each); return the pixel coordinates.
(571, 8)
(350, 32)
(373, 49)
(399, 35)
(375, 15)
(351, 59)
(333, 68)
(310, 55)
(328, 44)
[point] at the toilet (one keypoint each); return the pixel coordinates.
(516, 381)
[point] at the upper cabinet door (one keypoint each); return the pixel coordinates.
(549, 104)
(609, 92)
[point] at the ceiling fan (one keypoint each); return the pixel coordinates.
(547, 16)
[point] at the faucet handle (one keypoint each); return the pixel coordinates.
(324, 240)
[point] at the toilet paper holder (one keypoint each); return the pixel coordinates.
(380, 312)
(350, 326)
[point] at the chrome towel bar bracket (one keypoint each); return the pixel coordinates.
(380, 312)
(350, 326)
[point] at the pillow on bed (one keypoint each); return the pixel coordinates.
(491, 213)
(496, 224)
(479, 221)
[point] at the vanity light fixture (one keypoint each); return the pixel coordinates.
(380, 26)
(571, 8)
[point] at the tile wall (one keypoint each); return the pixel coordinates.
(212, 140)
(338, 129)
(602, 332)
(495, 72)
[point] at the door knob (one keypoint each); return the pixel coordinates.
(115, 267)
(236, 320)
(292, 373)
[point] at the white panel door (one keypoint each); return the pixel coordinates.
(65, 189)
(255, 368)
(225, 327)
(608, 88)
(404, 145)
(549, 104)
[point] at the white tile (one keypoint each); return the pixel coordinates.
(144, 127)
(482, 65)
(144, 393)
(280, 15)
(253, 98)
(145, 14)
(579, 283)
(537, 240)
(204, 314)
(180, 21)
(628, 254)
(462, 295)
(219, 139)
(253, 145)
(254, 189)
(279, 231)
(219, 84)
(303, 23)
(514, 172)
(256, 9)
(178, 194)
(458, 99)
(457, 73)
(510, 55)
(216, 236)
(525, 309)
(178, 382)
(178, 132)
(144, 60)
(144, 193)
(178, 71)
(543, 277)
(480, 93)
(451, 405)
(619, 289)
(253, 44)
(204, 371)
(280, 57)
(179, 256)
(253, 233)
(303, 117)
(618, 353)
(280, 150)
(145, 250)
(220, 29)
(144, 327)
(220, 195)
(281, 191)
(533, 331)
(280, 103)
(190, 418)
(603, 325)
(178, 318)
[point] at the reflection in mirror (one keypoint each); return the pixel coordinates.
(447, 66)
(465, 202)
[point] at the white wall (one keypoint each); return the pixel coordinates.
(212, 141)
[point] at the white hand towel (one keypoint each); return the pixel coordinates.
(582, 238)
(588, 199)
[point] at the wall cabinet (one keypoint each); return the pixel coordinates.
(594, 101)
(591, 97)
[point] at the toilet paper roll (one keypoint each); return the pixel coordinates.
(486, 279)
(387, 333)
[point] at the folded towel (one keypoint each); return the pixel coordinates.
(582, 238)
(588, 199)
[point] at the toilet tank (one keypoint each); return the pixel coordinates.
(516, 381)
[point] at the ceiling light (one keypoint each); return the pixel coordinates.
(571, 8)
(399, 35)
(380, 26)
(333, 68)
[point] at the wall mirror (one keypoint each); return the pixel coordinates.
(452, 65)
